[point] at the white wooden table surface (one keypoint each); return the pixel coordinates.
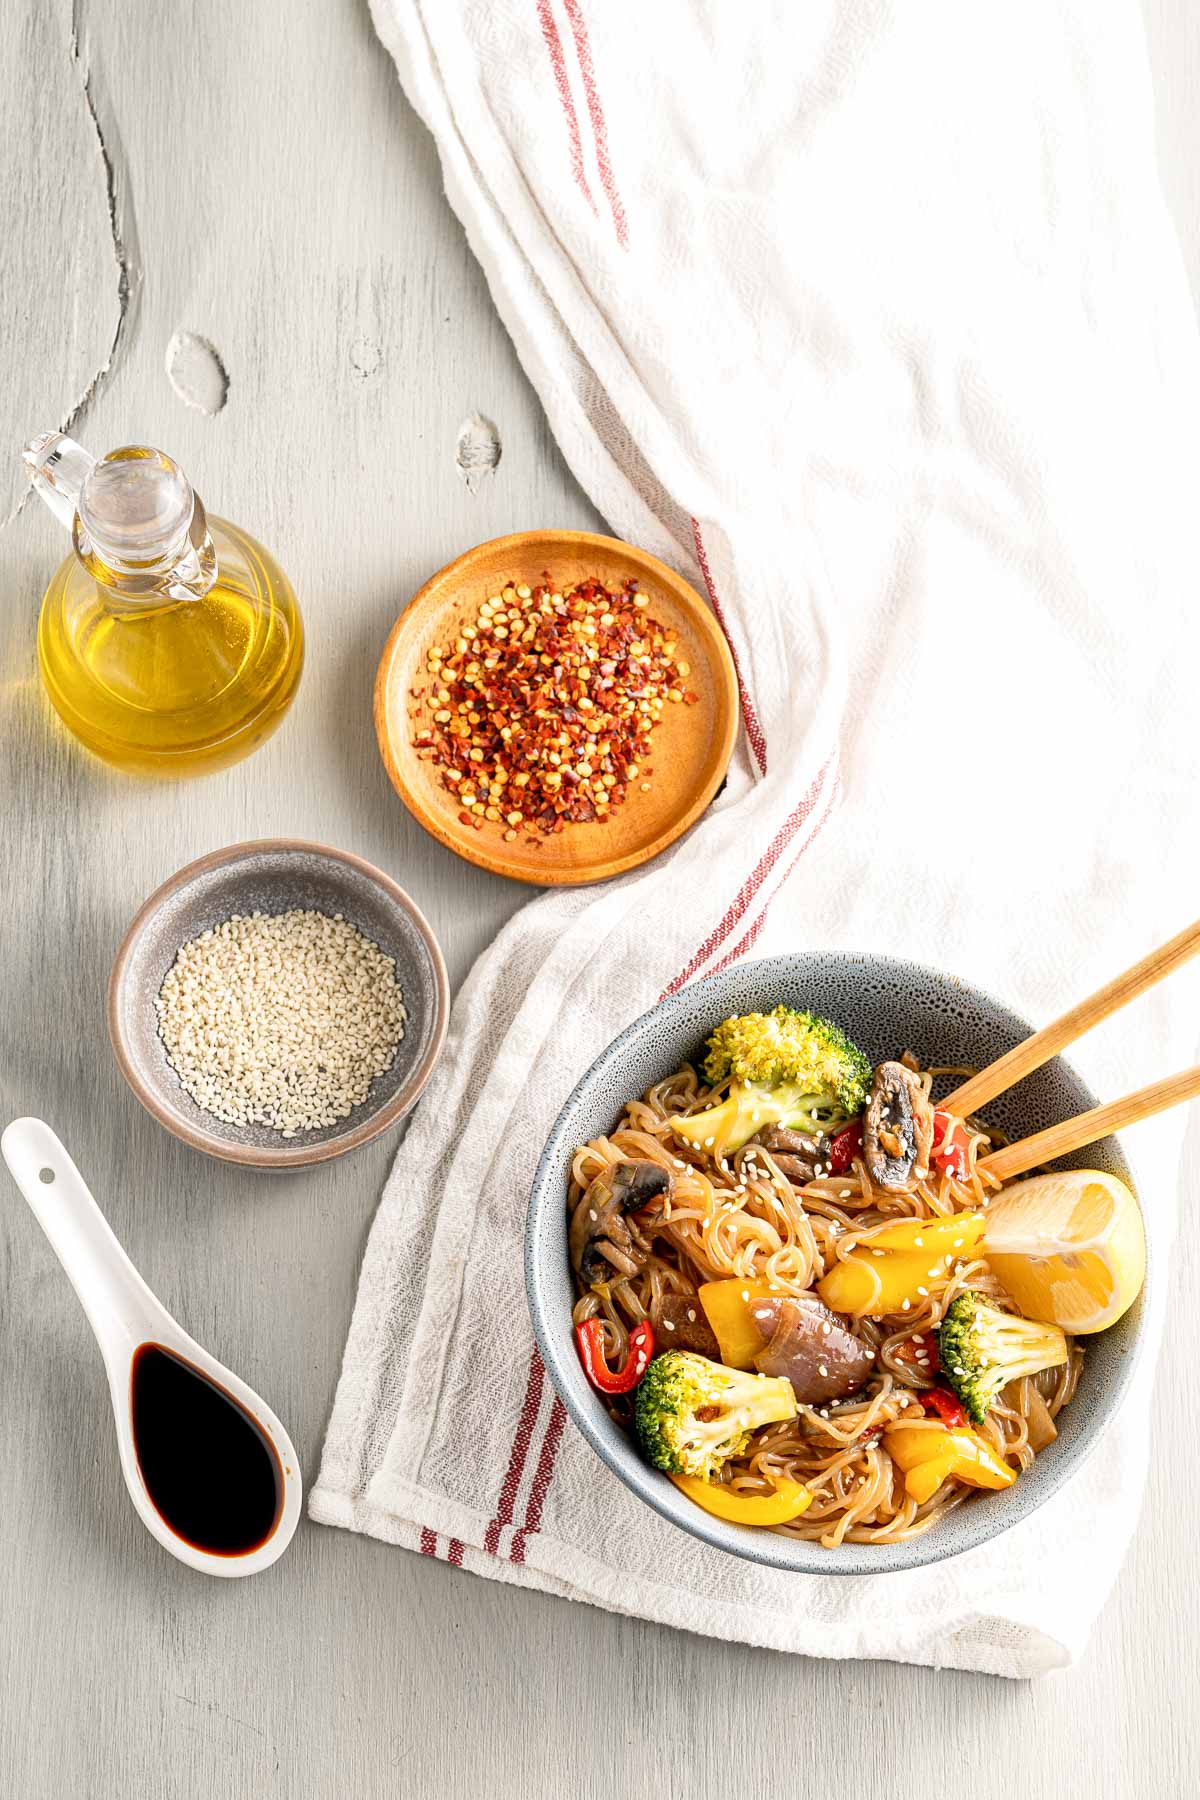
(252, 173)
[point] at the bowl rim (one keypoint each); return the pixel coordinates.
(293, 1156)
(799, 1556)
(485, 855)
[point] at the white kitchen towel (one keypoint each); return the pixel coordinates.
(869, 318)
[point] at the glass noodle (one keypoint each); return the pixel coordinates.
(742, 1218)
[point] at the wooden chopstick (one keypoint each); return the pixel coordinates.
(1038, 1049)
(1073, 1134)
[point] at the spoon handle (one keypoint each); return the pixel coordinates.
(112, 1293)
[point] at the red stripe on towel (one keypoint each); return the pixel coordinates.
(554, 1430)
(751, 936)
(428, 1541)
(541, 1480)
(455, 1554)
(596, 113)
(557, 63)
(742, 900)
(754, 730)
(520, 1450)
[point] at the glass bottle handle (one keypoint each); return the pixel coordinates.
(58, 468)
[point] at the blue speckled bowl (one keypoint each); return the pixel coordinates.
(886, 1006)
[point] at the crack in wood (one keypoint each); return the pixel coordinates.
(122, 225)
(122, 230)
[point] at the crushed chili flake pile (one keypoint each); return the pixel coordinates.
(540, 713)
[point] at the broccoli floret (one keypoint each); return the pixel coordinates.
(982, 1349)
(693, 1414)
(785, 1068)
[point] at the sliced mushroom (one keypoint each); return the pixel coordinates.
(680, 1324)
(897, 1128)
(602, 1240)
(812, 1347)
(794, 1154)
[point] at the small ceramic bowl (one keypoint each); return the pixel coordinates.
(273, 876)
(886, 1006)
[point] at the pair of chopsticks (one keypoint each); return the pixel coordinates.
(1073, 1134)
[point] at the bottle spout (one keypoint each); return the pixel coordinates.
(136, 523)
(58, 468)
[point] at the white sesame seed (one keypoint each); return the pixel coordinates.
(822, 1370)
(282, 1019)
(692, 1314)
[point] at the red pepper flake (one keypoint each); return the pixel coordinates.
(548, 702)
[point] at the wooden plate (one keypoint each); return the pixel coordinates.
(692, 744)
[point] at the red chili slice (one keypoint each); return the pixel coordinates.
(844, 1146)
(590, 1338)
(947, 1406)
(951, 1146)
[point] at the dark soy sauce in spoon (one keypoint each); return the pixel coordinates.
(210, 1469)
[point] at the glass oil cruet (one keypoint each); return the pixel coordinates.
(169, 641)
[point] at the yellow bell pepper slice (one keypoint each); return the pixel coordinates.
(789, 1500)
(866, 1282)
(928, 1454)
(727, 1308)
(955, 1235)
(861, 1283)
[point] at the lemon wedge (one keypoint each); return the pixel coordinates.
(1069, 1247)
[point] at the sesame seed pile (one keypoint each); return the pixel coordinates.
(540, 713)
(280, 1019)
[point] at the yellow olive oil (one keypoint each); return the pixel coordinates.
(170, 643)
(182, 686)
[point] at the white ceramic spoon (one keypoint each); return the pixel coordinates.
(124, 1314)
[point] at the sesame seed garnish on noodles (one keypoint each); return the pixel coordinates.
(282, 1019)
